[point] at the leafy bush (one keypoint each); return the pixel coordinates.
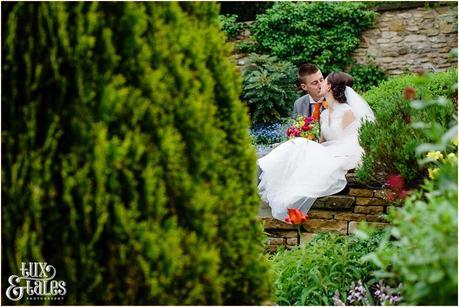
(126, 158)
(267, 134)
(366, 76)
(310, 274)
(269, 88)
(390, 142)
(323, 33)
(230, 26)
(423, 249)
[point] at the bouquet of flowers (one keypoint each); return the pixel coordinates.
(306, 127)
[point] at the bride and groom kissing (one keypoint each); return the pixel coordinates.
(297, 172)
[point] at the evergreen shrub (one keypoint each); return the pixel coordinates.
(126, 157)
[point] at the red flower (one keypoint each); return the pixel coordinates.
(296, 217)
(396, 183)
(306, 127)
(409, 93)
(397, 186)
(308, 119)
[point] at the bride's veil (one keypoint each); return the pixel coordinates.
(359, 106)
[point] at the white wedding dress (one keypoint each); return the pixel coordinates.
(297, 172)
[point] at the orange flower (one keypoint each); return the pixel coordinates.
(310, 137)
(296, 217)
(325, 104)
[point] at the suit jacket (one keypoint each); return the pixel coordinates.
(303, 106)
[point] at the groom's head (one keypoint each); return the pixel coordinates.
(311, 79)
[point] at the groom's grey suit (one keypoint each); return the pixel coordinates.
(303, 106)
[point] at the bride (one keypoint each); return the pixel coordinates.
(298, 171)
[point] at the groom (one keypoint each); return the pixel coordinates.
(311, 80)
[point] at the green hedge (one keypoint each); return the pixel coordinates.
(390, 141)
(126, 160)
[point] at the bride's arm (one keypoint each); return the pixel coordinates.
(348, 119)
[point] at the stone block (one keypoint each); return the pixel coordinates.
(366, 201)
(292, 241)
(376, 218)
(354, 225)
(334, 202)
(321, 214)
(276, 241)
(325, 225)
(369, 209)
(361, 192)
(282, 233)
(272, 223)
(345, 216)
(306, 237)
(380, 194)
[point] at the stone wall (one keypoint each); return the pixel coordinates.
(406, 39)
(403, 39)
(338, 213)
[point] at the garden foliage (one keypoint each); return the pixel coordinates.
(390, 142)
(269, 88)
(126, 158)
(422, 253)
(310, 274)
(230, 25)
(323, 33)
(366, 76)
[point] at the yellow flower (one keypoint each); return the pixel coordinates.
(452, 157)
(436, 155)
(433, 172)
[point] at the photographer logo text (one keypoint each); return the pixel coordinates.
(36, 282)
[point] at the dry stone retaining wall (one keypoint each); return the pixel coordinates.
(338, 213)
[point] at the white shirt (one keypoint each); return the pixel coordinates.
(311, 101)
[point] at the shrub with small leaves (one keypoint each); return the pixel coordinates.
(366, 76)
(126, 157)
(231, 26)
(323, 33)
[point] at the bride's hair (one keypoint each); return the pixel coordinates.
(338, 82)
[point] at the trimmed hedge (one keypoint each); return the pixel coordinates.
(126, 160)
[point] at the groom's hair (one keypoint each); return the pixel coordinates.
(306, 70)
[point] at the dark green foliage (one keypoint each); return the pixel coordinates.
(310, 274)
(423, 249)
(390, 142)
(269, 88)
(366, 76)
(126, 158)
(230, 26)
(323, 33)
(245, 10)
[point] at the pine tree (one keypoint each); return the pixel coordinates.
(126, 159)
